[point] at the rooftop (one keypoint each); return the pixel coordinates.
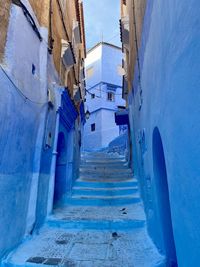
(103, 43)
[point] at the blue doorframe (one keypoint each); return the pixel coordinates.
(166, 238)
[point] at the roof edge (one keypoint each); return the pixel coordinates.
(103, 43)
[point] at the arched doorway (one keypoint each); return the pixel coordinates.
(59, 188)
(163, 203)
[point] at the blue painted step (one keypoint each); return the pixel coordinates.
(92, 192)
(105, 185)
(97, 224)
(103, 166)
(101, 201)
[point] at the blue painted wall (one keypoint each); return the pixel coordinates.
(54, 186)
(16, 161)
(170, 63)
(28, 132)
(23, 97)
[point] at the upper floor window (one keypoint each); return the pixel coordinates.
(93, 126)
(92, 96)
(111, 96)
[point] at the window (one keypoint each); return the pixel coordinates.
(92, 127)
(110, 96)
(92, 96)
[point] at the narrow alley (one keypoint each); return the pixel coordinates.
(99, 133)
(101, 224)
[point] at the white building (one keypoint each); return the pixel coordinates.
(104, 95)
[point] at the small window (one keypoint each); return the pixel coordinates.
(33, 69)
(92, 96)
(92, 127)
(110, 96)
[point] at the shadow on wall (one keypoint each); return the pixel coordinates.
(60, 168)
(119, 145)
(166, 238)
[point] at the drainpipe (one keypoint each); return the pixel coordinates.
(53, 167)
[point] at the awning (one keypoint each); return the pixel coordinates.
(67, 54)
(76, 30)
(125, 88)
(122, 117)
(124, 30)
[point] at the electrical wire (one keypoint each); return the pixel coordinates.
(92, 94)
(99, 90)
(114, 36)
(20, 91)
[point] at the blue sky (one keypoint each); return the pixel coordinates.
(102, 19)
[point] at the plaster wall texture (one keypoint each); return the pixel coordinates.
(92, 140)
(28, 129)
(109, 129)
(102, 64)
(24, 103)
(170, 60)
(135, 11)
(111, 61)
(46, 182)
(93, 61)
(4, 20)
(41, 9)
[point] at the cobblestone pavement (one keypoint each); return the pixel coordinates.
(101, 225)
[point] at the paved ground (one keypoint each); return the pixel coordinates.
(101, 225)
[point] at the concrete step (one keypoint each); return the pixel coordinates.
(97, 224)
(94, 184)
(102, 201)
(101, 155)
(103, 161)
(100, 177)
(107, 162)
(104, 192)
(105, 188)
(129, 212)
(103, 179)
(105, 196)
(104, 168)
(109, 173)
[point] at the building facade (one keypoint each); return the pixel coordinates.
(42, 51)
(103, 98)
(162, 44)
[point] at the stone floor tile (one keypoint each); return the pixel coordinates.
(82, 251)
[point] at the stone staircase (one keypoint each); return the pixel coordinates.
(104, 181)
(102, 224)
